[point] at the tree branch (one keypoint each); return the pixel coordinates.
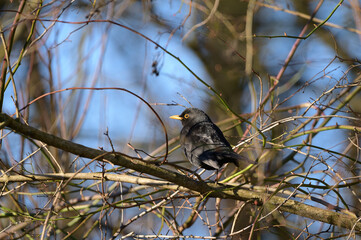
(206, 189)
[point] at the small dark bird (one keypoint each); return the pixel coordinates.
(203, 142)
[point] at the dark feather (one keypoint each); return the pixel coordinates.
(203, 142)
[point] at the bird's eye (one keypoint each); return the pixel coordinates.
(186, 115)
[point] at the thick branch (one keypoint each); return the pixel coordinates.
(209, 189)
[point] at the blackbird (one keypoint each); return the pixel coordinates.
(203, 142)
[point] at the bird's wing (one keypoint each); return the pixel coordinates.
(202, 142)
(205, 134)
(205, 146)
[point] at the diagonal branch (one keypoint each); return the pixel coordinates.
(206, 189)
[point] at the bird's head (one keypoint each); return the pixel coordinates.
(191, 116)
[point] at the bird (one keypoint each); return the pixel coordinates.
(203, 142)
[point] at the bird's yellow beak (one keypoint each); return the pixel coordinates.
(177, 117)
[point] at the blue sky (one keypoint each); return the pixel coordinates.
(120, 58)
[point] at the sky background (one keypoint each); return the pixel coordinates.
(106, 55)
